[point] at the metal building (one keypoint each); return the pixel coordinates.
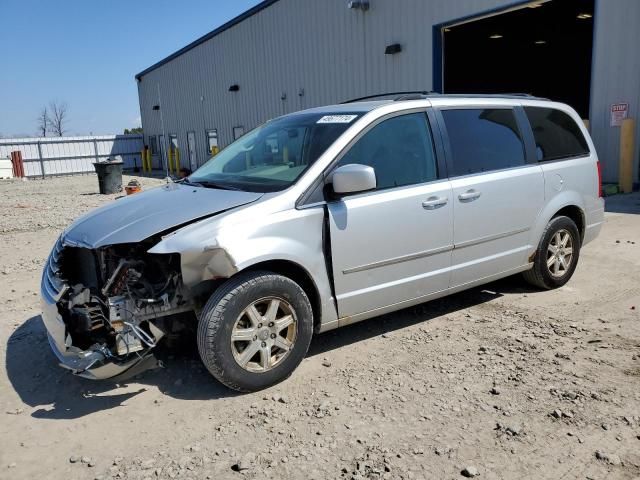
(287, 55)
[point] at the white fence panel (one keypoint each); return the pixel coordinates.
(48, 156)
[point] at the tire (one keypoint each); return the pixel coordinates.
(542, 275)
(229, 311)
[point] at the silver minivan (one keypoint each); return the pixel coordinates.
(319, 219)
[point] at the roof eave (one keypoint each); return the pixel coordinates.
(234, 21)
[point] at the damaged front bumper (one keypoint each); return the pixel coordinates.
(91, 364)
(95, 364)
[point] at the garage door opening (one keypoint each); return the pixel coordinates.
(540, 48)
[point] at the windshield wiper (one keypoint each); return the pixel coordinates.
(210, 184)
(185, 181)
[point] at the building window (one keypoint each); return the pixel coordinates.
(238, 132)
(153, 144)
(161, 145)
(212, 141)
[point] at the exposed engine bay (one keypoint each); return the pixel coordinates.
(118, 298)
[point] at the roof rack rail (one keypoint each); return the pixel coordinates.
(418, 95)
(518, 94)
(414, 96)
(490, 95)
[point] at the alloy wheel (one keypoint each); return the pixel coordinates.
(264, 334)
(560, 253)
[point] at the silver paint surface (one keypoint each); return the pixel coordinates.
(137, 217)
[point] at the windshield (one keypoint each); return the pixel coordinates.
(273, 156)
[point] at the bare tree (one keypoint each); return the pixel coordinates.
(58, 117)
(43, 122)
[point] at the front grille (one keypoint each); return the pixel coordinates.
(52, 283)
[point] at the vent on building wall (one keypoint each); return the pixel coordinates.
(393, 49)
(234, 88)
(358, 5)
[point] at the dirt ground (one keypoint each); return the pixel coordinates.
(503, 381)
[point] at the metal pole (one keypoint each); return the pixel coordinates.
(206, 133)
(40, 158)
(95, 149)
(625, 171)
(164, 136)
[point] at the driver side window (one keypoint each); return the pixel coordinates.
(399, 149)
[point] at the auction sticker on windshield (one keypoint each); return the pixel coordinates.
(337, 119)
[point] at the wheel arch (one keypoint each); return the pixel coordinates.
(296, 272)
(576, 214)
(569, 203)
(287, 268)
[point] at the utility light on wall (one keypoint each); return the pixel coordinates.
(358, 5)
(495, 36)
(234, 88)
(393, 49)
(540, 42)
(584, 16)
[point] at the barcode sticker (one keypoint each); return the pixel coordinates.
(337, 119)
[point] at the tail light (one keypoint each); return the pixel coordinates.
(599, 168)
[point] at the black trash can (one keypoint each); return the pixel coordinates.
(109, 176)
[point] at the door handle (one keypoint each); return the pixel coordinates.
(469, 196)
(432, 203)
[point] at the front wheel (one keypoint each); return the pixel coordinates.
(255, 330)
(557, 254)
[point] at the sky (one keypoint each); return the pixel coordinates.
(86, 53)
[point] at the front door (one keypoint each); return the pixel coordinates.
(392, 245)
(193, 156)
(497, 194)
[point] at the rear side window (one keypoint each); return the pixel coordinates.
(483, 140)
(399, 149)
(556, 134)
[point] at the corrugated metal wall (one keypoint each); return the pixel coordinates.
(615, 78)
(319, 48)
(47, 156)
(319, 52)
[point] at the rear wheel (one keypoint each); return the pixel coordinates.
(255, 330)
(557, 254)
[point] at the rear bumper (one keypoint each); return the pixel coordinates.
(93, 364)
(595, 220)
(591, 232)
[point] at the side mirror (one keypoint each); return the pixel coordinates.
(353, 178)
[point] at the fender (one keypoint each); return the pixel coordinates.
(223, 246)
(558, 202)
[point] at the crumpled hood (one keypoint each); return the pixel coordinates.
(136, 217)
